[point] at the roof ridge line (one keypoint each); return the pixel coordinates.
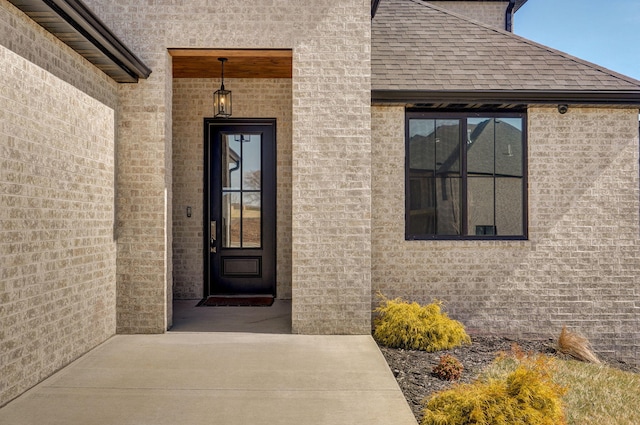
(596, 67)
(426, 3)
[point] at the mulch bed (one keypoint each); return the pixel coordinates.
(412, 369)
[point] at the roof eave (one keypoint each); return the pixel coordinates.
(75, 25)
(595, 97)
(519, 4)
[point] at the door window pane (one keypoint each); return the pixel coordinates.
(251, 162)
(231, 162)
(251, 220)
(231, 214)
(241, 190)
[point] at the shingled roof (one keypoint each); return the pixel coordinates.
(422, 53)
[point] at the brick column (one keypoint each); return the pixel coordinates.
(331, 202)
(143, 203)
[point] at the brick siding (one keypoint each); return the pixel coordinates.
(331, 150)
(581, 263)
(57, 248)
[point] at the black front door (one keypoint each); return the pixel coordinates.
(240, 206)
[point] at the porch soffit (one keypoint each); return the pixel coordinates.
(242, 63)
(76, 26)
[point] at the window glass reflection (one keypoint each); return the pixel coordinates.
(509, 147)
(480, 146)
(241, 190)
(231, 216)
(509, 206)
(251, 162)
(480, 205)
(466, 174)
(447, 143)
(251, 220)
(422, 145)
(422, 208)
(435, 206)
(231, 162)
(448, 199)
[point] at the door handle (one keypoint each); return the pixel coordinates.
(213, 232)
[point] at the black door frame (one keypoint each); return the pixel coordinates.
(212, 125)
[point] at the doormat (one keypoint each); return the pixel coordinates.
(237, 301)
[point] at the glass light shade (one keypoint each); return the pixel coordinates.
(222, 103)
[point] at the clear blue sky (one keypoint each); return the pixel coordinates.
(605, 32)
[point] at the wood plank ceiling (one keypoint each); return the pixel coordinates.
(241, 63)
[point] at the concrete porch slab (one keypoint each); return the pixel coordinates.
(219, 378)
(189, 318)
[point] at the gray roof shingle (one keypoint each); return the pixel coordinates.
(419, 47)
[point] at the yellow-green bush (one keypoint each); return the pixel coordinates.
(526, 395)
(400, 324)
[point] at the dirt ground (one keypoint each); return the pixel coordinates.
(412, 369)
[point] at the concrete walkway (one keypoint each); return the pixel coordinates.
(191, 378)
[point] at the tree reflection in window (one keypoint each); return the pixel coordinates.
(465, 176)
(242, 191)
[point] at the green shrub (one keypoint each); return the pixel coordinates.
(526, 395)
(400, 324)
(448, 368)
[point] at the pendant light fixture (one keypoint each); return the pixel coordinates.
(222, 97)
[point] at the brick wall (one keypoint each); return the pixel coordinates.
(143, 196)
(331, 163)
(332, 174)
(57, 249)
(192, 101)
(581, 263)
(488, 12)
(21, 35)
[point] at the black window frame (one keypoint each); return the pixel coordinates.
(463, 116)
